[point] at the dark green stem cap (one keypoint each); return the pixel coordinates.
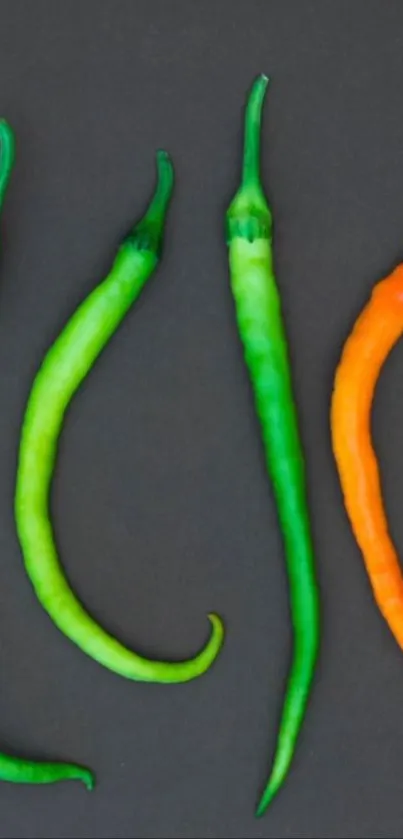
(248, 215)
(148, 233)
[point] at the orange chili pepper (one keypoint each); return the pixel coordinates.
(374, 334)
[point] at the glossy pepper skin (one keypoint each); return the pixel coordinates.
(376, 331)
(261, 329)
(15, 769)
(65, 366)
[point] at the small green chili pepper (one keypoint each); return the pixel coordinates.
(260, 324)
(65, 366)
(16, 769)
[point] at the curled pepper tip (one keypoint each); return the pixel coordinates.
(88, 779)
(73, 772)
(216, 621)
(217, 629)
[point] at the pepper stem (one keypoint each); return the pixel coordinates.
(253, 122)
(248, 216)
(163, 191)
(147, 234)
(7, 153)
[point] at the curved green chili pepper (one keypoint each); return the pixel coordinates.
(16, 769)
(65, 366)
(260, 324)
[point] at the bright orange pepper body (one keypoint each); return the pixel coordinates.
(374, 334)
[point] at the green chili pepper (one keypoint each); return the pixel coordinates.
(65, 366)
(15, 769)
(260, 324)
(7, 151)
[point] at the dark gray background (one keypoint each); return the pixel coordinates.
(161, 501)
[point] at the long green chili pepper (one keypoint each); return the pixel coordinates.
(260, 324)
(15, 769)
(65, 366)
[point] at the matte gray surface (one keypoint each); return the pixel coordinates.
(161, 501)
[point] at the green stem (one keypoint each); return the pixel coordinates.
(253, 122)
(7, 153)
(248, 216)
(148, 233)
